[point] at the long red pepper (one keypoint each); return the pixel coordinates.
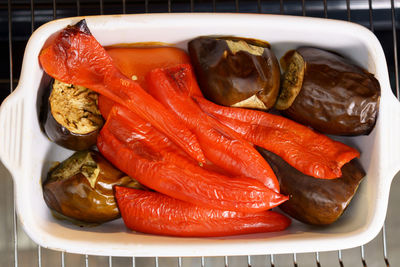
(154, 213)
(128, 127)
(221, 145)
(136, 151)
(75, 56)
(310, 152)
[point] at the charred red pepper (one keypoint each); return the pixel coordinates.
(220, 144)
(310, 152)
(154, 213)
(139, 150)
(74, 56)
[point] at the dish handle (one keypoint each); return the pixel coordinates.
(394, 137)
(11, 130)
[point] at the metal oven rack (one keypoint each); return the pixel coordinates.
(19, 18)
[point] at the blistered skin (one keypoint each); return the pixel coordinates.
(236, 71)
(315, 201)
(150, 212)
(221, 145)
(148, 156)
(306, 150)
(337, 97)
(74, 56)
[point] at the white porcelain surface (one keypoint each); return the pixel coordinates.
(27, 153)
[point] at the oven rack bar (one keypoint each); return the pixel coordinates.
(270, 260)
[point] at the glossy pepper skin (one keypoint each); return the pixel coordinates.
(142, 152)
(105, 105)
(130, 129)
(220, 144)
(154, 213)
(162, 144)
(136, 61)
(310, 152)
(74, 56)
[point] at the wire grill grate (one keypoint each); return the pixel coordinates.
(38, 12)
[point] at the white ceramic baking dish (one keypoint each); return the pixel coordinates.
(27, 153)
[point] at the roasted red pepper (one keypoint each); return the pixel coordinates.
(137, 61)
(221, 145)
(125, 125)
(105, 105)
(129, 128)
(154, 213)
(139, 150)
(310, 152)
(75, 56)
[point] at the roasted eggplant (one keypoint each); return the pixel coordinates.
(328, 92)
(81, 188)
(72, 118)
(235, 71)
(311, 200)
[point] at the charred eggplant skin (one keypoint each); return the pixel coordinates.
(315, 201)
(60, 135)
(81, 188)
(337, 97)
(234, 71)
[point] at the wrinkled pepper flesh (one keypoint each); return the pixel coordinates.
(141, 151)
(105, 107)
(309, 152)
(74, 56)
(154, 213)
(220, 144)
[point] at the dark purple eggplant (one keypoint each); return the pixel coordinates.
(72, 118)
(234, 71)
(328, 92)
(81, 188)
(311, 200)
